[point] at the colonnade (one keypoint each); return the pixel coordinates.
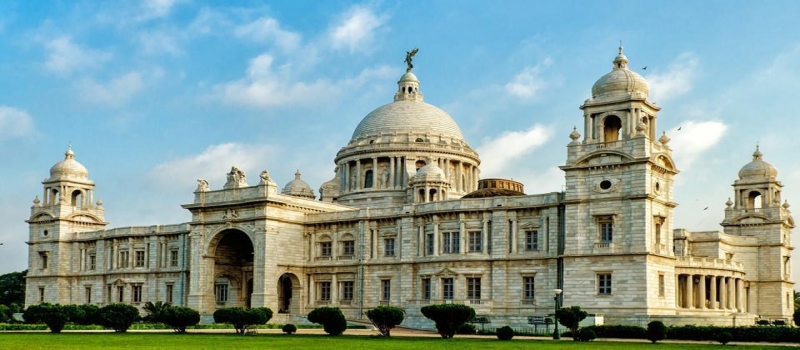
(394, 174)
(709, 292)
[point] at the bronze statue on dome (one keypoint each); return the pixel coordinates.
(409, 55)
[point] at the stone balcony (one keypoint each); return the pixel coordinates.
(689, 262)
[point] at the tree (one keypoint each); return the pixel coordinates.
(240, 318)
(385, 318)
(5, 313)
(12, 288)
(571, 317)
(53, 316)
(796, 300)
(656, 330)
(154, 310)
(179, 317)
(448, 317)
(331, 318)
(118, 317)
(796, 317)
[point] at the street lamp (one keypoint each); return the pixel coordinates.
(556, 336)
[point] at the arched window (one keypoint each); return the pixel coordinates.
(611, 127)
(754, 200)
(432, 195)
(419, 164)
(421, 197)
(77, 198)
(368, 179)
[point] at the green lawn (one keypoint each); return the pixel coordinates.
(29, 341)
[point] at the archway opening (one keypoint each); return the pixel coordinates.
(754, 200)
(233, 268)
(77, 199)
(611, 127)
(288, 290)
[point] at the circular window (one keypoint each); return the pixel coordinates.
(605, 184)
(45, 233)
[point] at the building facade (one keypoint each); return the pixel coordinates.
(406, 221)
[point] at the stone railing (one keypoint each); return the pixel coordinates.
(708, 263)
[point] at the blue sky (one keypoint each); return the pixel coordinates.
(155, 94)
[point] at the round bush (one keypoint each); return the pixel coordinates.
(448, 317)
(505, 333)
(118, 317)
(289, 328)
(585, 334)
(240, 318)
(179, 317)
(386, 317)
(331, 319)
(724, 338)
(53, 316)
(656, 330)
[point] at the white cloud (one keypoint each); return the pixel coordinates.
(694, 138)
(356, 29)
(152, 9)
(65, 57)
(116, 92)
(497, 153)
(527, 83)
(268, 30)
(676, 81)
(14, 123)
(212, 164)
(158, 42)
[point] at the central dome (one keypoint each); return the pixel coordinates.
(406, 116)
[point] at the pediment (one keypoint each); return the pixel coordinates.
(446, 272)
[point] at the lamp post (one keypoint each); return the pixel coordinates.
(556, 336)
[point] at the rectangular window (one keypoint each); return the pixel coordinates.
(123, 259)
(221, 292)
(109, 294)
(170, 287)
(386, 290)
(447, 288)
(41, 294)
(426, 289)
(136, 294)
(451, 242)
(529, 288)
(120, 294)
(173, 258)
(325, 249)
(532, 241)
(475, 242)
(348, 248)
(347, 290)
(388, 247)
(88, 294)
(604, 284)
(661, 285)
(606, 231)
(43, 255)
(474, 288)
(429, 244)
(92, 261)
(139, 258)
(325, 291)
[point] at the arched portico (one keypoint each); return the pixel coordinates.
(289, 295)
(232, 283)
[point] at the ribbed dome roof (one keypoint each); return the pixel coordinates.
(758, 168)
(405, 117)
(298, 188)
(69, 168)
(621, 82)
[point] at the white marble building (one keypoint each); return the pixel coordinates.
(407, 222)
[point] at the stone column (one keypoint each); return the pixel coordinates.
(334, 290)
(474, 182)
(731, 293)
(462, 229)
(740, 296)
(702, 292)
(421, 241)
(358, 175)
(713, 293)
(723, 297)
(375, 175)
(312, 290)
(426, 197)
(513, 235)
(435, 236)
(678, 291)
(392, 184)
(690, 291)
(485, 237)
(459, 173)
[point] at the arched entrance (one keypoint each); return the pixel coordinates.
(288, 294)
(233, 269)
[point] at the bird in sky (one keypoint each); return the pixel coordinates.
(679, 128)
(706, 208)
(645, 68)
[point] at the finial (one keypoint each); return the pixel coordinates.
(757, 155)
(69, 154)
(664, 138)
(620, 47)
(409, 56)
(729, 203)
(574, 135)
(297, 174)
(786, 204)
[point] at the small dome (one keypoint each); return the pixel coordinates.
(409, 77)
(497, 188)
(69, 168)
(621, 82)
(298, 188)
(758, 168)
(430, 172)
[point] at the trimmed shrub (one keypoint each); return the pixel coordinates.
(570, 317)
(331, 319)
(118, 317)
(179, 317)
(796, 317)
(289, 328)
(762, 322)
(656, 330)
(586, 334)
(505, 333)
(724, 338)
(267, 313)
(448, 317)
(467, 328)
(620, 332)
(385, 318)
(52, 315)
(91, 315)
(240, 318)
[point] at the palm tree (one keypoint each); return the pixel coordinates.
(154, 310)
(796, 300)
